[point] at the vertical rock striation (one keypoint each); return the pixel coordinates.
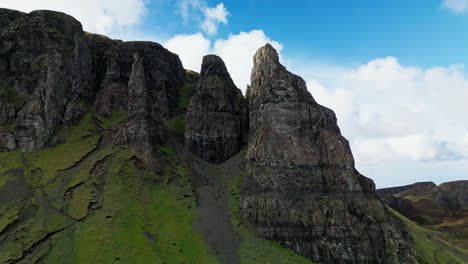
(302, 189)
(142, 79)
(44, 65)
(217, 118)
(49, 67)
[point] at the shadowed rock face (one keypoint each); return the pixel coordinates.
(44, 65)
(48, 65)
(141, 78)
(217, 119)
(302, 189)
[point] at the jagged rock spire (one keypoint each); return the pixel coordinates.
(302, 189)
(217, 120)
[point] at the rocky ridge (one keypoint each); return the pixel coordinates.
(48, 66)
(301, 188)
(426, 202)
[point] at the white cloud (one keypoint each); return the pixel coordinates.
(389, 111)
(97, 16)
(457, 6)
(190, 48)
(194, 10)
(214, 16)
(237, 51)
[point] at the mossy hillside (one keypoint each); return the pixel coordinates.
(30, 230)
(145, 218)
(90, 204)
(10, 213)
(80, 140)
(430, 247)
(185, 94)
(254, 249)
(177, 124)
(454, 230)
(115, 119)
(50, 160)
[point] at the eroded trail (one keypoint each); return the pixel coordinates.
(210, 188)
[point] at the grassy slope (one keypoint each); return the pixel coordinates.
(101, 209)
(91, 204)
(128, 214)
(454, 230)
(431, 247)
(431, 215)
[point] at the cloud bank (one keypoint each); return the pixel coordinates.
(97, 16)
(208, 17)
(390, 112)
(457, 6)
(237, 52)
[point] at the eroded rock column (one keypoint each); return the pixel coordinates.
(217, 118)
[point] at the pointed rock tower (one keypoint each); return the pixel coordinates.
(217, 118)
(301, 188)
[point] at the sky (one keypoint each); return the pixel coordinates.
(393, 71)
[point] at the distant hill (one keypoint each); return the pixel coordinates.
(441, 208)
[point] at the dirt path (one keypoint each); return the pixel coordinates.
(213, 214)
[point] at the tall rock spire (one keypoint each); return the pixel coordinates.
(217, 119)
(302, 189)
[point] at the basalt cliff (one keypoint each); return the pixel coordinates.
(112, 152)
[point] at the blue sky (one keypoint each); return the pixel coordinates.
(421, 33)
(393, 71)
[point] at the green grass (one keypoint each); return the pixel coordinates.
(430, 248)
(9, 214)
(167, 150)
(83, 172)
(32, 230)
(185, 94)
(80, 140)
(60, 157)
(9, 160)
(177, 124)
(115, 119)
(78, 206)
(8, 93)
(254, 249)
(84, 129)
(144, 218)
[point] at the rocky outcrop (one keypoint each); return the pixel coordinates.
(426, 202)
(301, 188)
(455, 195)
(44, 65)
(49, 68)
(142, 78)
(217, 118)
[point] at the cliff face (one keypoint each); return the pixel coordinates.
(49, 66)
(141, 79)
(44, 65)
(427, 203)
(302, 189)
(59, 84)
(217, 118)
